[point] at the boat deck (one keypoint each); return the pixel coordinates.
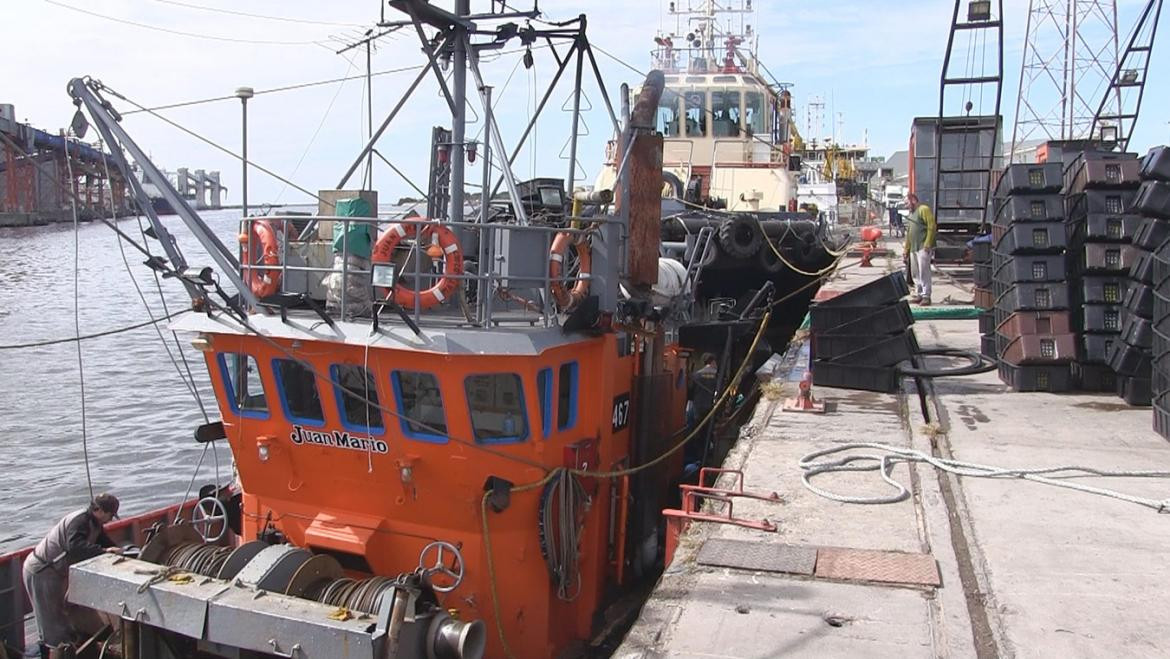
(1024, 568)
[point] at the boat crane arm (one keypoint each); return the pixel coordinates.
(106, 120)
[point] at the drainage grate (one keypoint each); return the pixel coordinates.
(882, 566)
(761, 556)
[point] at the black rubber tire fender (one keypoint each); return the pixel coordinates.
(740, 237)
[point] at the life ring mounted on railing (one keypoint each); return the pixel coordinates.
(260, 246)
(565, 298)
(440, 242)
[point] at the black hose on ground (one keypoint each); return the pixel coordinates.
(978, 364)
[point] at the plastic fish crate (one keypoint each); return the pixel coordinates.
(1027, 177)
(1135, 391)
(986, 322)
(984, 298)
(1139, 301)
(1153, 199)
(1107, 257)
(1097, 170)
(860, 320)
(987, 346)
(1156, 164)
(1030, 238)
(1129, 360)
(867, 350)
(1095, 348)
(1151, 233)
(1104, 202)
(1039, 349)
(1035, 296)
(1095, 377)
(1103, 227)
(1138, 332)
(1030, 208)
(1142, 270)
(887, 290)
(1104, 289)
(853, 376)
(1033, 268)
(981, 251)
(982, 274)
(1102, 318)
(1050, 378)
(1022, 323)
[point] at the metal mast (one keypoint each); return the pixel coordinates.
(1070, 55)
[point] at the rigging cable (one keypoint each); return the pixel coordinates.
(232, 12)
(196, 35)
(96, 335)
(77, 320)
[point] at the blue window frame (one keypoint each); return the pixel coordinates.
(567, 396)
(249, 400)
(297, 386)
(420, 406)
(360, 411)
(544, 388)
(496, 404)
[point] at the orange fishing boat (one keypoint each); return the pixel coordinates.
(454, 437)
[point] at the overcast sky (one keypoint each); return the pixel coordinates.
(876, 66)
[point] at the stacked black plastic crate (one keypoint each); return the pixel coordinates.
(1153, 203)
(984, 299)
(859, 337)
(1099, 189)
(1034, 342)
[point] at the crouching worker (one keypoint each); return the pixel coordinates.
(78, 536)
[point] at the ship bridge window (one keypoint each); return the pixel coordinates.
(544, 387)
(567, 396)
(297, 385)
(667, 118)
(696, 114)
(725, 114)
(420, 404)
(496, 401)
(357, 398)
(753, 112)
(241, 381)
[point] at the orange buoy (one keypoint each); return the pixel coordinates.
(263, 251)
(443, 244)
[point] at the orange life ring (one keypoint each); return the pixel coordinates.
(568, 299)
(442, 243)
(264, 239)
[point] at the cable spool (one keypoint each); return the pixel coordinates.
(197, 558)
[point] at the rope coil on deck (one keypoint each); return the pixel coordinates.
(888, 456)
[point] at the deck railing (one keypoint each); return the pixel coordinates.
(517, 289)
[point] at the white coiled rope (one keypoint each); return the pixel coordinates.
(886, 457)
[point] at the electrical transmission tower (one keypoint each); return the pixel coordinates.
(1070, 56)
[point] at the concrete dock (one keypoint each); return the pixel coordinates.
(1023, 568)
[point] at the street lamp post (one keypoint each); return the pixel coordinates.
(244, 93)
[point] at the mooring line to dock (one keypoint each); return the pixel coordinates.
(890, 456)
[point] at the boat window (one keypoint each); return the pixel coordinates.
(544, 386)
(420, 403)
(567, 396)
(696, 114)
(357, 398)
(241, 380)
(754, 112)
(667, 120)
(725, 79)
(724, 114)
(298, 392)
(496, 402)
